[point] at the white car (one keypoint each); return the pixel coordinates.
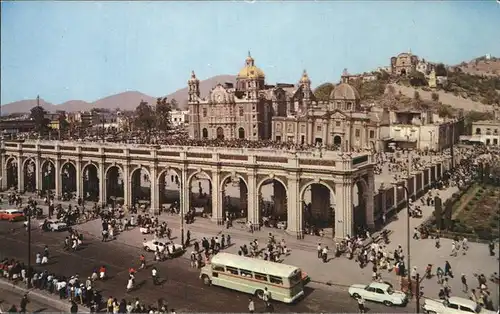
(52, 224)
(453, 305)
(151, 245)
(379, 292)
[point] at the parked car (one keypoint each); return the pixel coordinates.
(174, 249)
(50, 225)
(11, 215)
(453, 305)
(379, 292)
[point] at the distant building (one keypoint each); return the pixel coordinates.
(486, 132)
(179, 117)
(403, 63)
(432, 79)
(420, 130)
(12, 127)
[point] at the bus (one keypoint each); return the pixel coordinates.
(285, 283)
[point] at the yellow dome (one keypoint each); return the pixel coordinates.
(250, 71)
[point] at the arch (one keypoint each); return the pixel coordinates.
(91, 163)
(204, 133)
(337, 140)
(68, 182)
(192, 175)
(259, 185)
(360, 211)
(44, 162)
(140, 168)
(311, 182)
(478, 131)
(9, 159)
(403, 71)
(241, 133)
(223, 181)
(220, 133)
(108, 168)
(28, 159)
(167, 169)
(71, 162)
(48, 174)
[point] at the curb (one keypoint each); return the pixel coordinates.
(55, 302)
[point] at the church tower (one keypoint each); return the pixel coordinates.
(250, 79)
(193, 88)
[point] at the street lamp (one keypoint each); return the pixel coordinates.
(181, 210)
(400, 187)
(28, 273)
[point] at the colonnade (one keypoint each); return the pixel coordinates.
(288, 193)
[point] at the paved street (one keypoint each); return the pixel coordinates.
(10, 296)
(182, 288)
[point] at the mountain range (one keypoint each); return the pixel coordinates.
(128, 100)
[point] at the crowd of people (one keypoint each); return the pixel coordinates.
(77, 290)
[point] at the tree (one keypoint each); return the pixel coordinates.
(163, 116)
(417, 78)
(174, 104)
(441, 70)
(145, 119)
(38, 116)
(63, 123)
(323, 91)
(435, 96)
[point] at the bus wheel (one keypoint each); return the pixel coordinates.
(259, 294)
(206, 280)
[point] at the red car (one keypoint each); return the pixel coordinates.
(11, 215)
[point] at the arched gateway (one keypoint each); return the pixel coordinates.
(298, 191)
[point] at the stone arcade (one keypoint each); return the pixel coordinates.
(325, 173)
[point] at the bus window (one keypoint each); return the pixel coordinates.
(294, 279)
(232, 270)
(260, 276)
(276, 280)
(218, 268)
(246, 273)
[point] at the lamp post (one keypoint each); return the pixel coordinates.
(181, 210)
(402, 186)
(28, 273)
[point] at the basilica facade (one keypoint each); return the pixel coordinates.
(240, 111)
(253, 110)
(339, 121)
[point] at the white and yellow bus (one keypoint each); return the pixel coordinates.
(285, 283)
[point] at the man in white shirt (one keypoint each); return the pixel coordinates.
(154, 274)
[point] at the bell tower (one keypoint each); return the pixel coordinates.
(194, 88)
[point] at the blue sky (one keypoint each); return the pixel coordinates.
(88, 50)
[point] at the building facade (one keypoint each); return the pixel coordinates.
(340, 121)
(486, 132)
(243, 111)
(404, 63)
(179, 118)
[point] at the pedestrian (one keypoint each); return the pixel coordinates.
(269, 307)
(324, 254)
(361, 305)
(251, 306)
(438, 244)
(464, 283)
(142, 260)
(74, 307)
(24, 303)
(447, 269)
(266, 296)
(154, 274)
(320, 250)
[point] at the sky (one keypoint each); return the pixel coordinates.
(88, 50)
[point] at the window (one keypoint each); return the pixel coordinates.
(371, 289)
(372, 134)
(466, 309)
(337, 123)
(246, 273)
(349, 106)
(379, 291)
(204, 112)
(453, 306)
(241, 112)
(358, 132)
(278, 126)
(232, 270)
(259, 276)
(218, 268)
(275, 280)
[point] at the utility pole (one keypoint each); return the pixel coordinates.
(418, 293)
(28, 273)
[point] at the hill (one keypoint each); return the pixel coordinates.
(480, 66)
(125, 101)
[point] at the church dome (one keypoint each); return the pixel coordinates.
(345, 91)
(250, 71)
